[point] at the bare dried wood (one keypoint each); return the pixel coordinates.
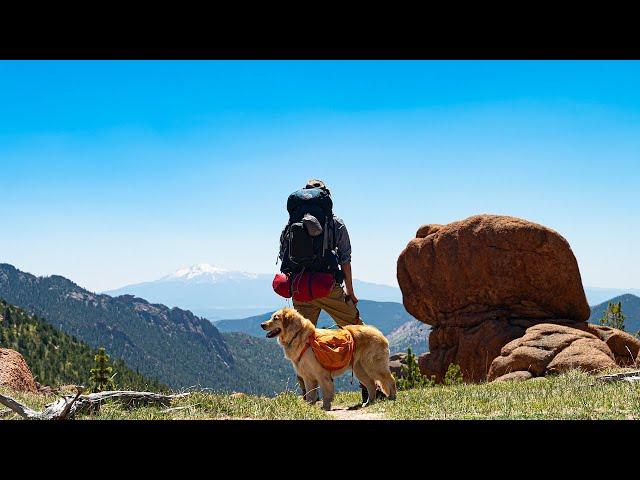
(633, 376)
(68, 406)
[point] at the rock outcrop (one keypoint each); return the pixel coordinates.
(490, 267)
(15, 373)
(503, 288)
(550, 348)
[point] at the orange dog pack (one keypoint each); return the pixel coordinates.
(332, 348)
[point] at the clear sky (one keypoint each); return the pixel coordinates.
(119, 172)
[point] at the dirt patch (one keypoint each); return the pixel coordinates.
(344, 413)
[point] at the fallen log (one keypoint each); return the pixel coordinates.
(67, 407)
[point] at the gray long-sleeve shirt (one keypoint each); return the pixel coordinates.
(343, 243)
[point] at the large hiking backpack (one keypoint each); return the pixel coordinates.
(307, 235)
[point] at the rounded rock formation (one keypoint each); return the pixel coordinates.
(481, 283)
(549, 348)
(490, 267)
(15, 373)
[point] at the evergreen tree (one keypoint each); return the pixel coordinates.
(411, 376)
(101, 377)
(613, 316)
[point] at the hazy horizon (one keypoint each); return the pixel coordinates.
(121, 172)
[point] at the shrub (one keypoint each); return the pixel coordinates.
(453, 375)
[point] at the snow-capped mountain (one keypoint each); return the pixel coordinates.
(217, 293)
(205, 273)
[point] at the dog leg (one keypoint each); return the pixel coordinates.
(367, 381)
(303, 387)
(311, 387)
(328, 390)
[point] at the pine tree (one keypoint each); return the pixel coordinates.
(613, 316)
(411, 376)
(101, 377)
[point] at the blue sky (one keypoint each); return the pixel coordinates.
(118, 172)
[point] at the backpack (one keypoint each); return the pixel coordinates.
(307, 243)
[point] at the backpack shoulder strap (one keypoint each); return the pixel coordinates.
(333, 227)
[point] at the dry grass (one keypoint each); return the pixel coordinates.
(197, 406)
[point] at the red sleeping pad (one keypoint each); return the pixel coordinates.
(305, 286)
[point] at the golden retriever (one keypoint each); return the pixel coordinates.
(370, 356)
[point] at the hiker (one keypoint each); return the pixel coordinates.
(315, 240)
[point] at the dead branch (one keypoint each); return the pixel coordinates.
(627, 376)
(19, 408)
(69, 406)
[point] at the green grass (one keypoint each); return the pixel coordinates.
(573, 395)
(197, 406)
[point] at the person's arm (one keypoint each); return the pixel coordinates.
(344, 256)
(348, 281)
(282, 245)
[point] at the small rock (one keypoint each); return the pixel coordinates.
(519, 376)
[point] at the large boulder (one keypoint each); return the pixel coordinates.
(481, 283)
(15, 373)
(490, 267)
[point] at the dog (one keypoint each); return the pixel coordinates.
(370, 361)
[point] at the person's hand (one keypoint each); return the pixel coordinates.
(353, 297)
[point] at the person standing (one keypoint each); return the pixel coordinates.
(332, 254)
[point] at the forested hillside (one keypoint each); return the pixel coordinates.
(56, 358)
(171, 344)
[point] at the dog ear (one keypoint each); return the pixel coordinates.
(288, 317)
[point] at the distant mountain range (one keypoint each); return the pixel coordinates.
(173, 345)
(386, 316)
(412, 334)
(597, 295)
(216, 293)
